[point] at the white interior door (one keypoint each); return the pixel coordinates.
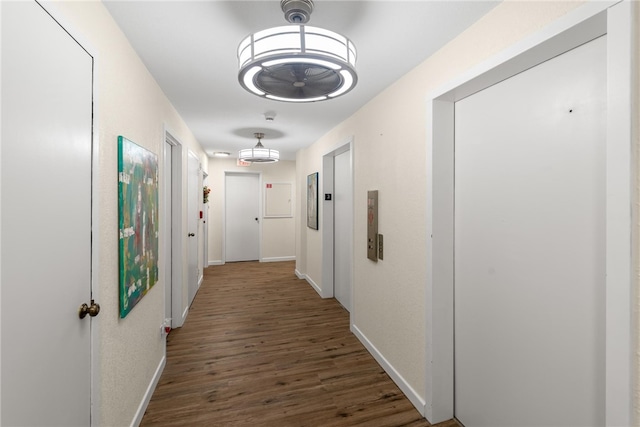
(46, 221)
(242, 217)
(529, 246)
(343, 218)
(193, 203)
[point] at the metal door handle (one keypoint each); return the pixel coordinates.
(257, 220)
(91, 310)
(191, 234)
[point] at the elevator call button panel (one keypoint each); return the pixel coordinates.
(372, 225)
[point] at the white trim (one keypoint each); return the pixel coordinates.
(279, 259)
(397, 378)
(185, 313)
(300, 275)
(1, 240)
(147, 395)
(583, 24)
(216, 262)
(177, 225)
(621, 179)
(327, 217)
(315, 286)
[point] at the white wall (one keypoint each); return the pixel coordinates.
(278, 234)
(389, 150)
(130, 103)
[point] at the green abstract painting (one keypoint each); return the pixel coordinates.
(138, 222)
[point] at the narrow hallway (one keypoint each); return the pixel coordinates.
(261, 348)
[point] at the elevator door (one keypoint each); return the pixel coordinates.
(529, 246)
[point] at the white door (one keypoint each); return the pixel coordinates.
(529, 246)
(343, 217)
(193, 216)
(242, 217)
(46, 221)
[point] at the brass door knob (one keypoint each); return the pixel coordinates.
(92, 310)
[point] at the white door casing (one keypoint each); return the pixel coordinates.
(343, 228)
(530, 246)
(242, 217)
(327, 219)
(46, 220)
(179, 307)
(168, 245)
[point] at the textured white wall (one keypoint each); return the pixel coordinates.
(129, 103)
(278, 234)
(390, 151)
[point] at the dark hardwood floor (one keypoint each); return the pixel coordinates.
(261, 348)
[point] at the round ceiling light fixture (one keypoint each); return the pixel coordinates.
(297, 63)
(259, 154)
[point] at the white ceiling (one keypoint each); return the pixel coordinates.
(190, 48)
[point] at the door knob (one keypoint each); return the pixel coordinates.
(92, 310)
(257, 220)
(191, 234)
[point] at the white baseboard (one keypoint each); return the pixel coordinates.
(408, 391)
(200, 279)
(310, 281)
(185, 313)
(216, 262)
(314, 285)
(147, 395)
(278, 259)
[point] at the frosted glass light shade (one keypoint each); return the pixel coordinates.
(297, 63)
(259, 155)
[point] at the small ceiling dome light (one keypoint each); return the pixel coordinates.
(221, 154)
(297, 63)
(259, 154)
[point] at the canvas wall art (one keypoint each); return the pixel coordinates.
(138, 222)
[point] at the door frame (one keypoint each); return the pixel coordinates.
(178, 315)
(587, 22)
(328, 212)
(224, 212)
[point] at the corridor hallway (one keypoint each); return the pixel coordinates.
(261, 348)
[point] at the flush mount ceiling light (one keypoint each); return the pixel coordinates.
(297, 63)
(259, 154)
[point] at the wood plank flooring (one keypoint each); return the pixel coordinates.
(261, 348)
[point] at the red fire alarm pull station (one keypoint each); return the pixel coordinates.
(200, 214)
(269, 186)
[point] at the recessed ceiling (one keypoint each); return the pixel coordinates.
(190, 49)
